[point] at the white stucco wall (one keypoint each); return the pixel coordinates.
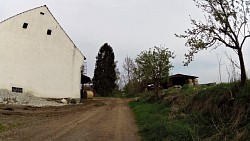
(46, 65)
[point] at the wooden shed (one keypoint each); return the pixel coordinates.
(181, 79)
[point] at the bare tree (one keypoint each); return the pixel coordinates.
(226, 24)
(232, 73)
(220, 64)
(128, 67)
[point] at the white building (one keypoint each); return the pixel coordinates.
(37, 56)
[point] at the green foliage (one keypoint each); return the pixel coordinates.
(155, 124)
(226, 23)
(2, 127)
(132, 89)
(217, 112)
(154, 65)
(147, 96)
(221, 112)
(118, 93)
(225, 19)
(105, 73)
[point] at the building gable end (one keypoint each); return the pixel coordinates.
(42, 13)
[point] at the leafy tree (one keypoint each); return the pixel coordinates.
(226, 24)
(105, 73)
(155, 65)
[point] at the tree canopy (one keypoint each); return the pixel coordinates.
(105, 73)
(226, 25)
(155, 65)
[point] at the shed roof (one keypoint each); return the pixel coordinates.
(183, 76)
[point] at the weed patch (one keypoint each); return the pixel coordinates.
(2, 127)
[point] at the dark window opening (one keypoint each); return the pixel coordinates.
(17, 89)
(49, 32)
(25, 25)
(41, 13)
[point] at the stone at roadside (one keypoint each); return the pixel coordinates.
(64, 101)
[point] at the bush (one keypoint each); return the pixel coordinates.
(118, 93)
(147, 96)
(132, 89)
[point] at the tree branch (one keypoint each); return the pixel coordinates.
(234, 38)
(241, 45)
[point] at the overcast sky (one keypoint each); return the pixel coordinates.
(131, 26)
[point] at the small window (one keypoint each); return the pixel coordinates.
(25, 25)
(17, 89)
(41, 13)
(49, 32)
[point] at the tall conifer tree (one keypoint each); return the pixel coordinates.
(105, 74)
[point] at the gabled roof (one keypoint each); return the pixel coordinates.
(183, 76)
(54, 19)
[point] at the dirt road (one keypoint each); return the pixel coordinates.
(100, 119)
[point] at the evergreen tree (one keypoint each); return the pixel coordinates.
(105, 71)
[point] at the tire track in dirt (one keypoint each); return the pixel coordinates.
(114, 121)
(66, 125)
(58, 127)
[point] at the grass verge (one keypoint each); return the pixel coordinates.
(154, 122)
(216, 112)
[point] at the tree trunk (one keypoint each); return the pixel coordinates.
(156, 90)
(243, 76)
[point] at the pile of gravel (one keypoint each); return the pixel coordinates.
(8, 97)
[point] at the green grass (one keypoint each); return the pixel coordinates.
(9, 126)
(221, 112)
(217, 112)
(2, 127)
(155, 125)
